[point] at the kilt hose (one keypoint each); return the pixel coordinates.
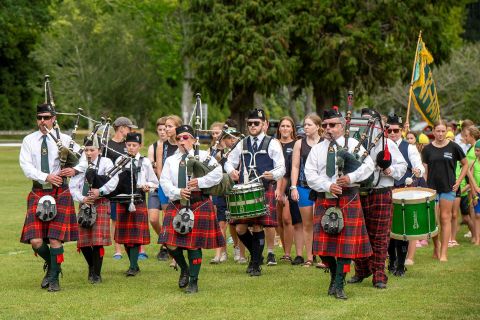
(206, 233)
(99, 233)
(63, 227)
(377, 210)
(352, 242)
(267, 220)
(132, 227)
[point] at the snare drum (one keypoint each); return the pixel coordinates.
(125, 198)
(413, 214)
(247, 201)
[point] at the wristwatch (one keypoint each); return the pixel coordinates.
(293, 187)
(101, 193)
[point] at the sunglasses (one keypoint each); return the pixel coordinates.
(46, 118)
(393, 130)
(184, 137)
(253, 123)
(331, 125)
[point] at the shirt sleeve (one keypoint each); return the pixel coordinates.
(316, 179)
(399, 164)
(275, 152)
(213, 177)
(364, 171)
(150, 177)
(171, 191)
(233, 159)
(415, 159)
(111, 184)
(27, 165)
(76, 186)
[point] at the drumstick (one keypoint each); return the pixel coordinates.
(261, 176)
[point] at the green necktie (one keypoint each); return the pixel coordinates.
(182, 172)
(86, 188)
(44, 156)
(331, 160)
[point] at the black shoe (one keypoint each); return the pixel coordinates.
(250, 267)
(162, 254)
(391, 266)
(183, 280)
(331, 288)
(96, 279)
(380, 285)
(298, 261)
(400, 272)
(355, 279)
(132, 272)
(53, 285)
(192, 287)
(44, 283)
(271, 261)
(256, 271)
(340, 294)
(91, 274)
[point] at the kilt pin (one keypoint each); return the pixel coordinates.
(377, 209)
(132, 227)
(267, 220)
(206, 233)
(63, 227)
(99, 233)
(352, 242)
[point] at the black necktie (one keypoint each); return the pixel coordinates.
(44, 156)
(255, 144)
(331, 160)
(182, 172)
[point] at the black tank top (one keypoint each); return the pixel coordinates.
(287, 154)
(168, 150)
(304, 152)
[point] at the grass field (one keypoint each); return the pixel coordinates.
(431, 290)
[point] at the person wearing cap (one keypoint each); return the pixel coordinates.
(337, 189)
(114, 149)
(40, 162)
(263, 157)
(186, 192)
(91, 241)
(377, 205)
(132, 228)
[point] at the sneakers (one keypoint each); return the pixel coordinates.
(468, 234)
(242, 260)
(142, 256)
(215, 260)
(298, 261)
(117, 256)
(236, 253)
(271, 259)
(162, 254)
(223, 257)
(230, 240)
(132, 272)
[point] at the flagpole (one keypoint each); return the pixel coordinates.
(410, 91)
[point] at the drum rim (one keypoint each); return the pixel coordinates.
(247, 186)
(431, 197)
(423, 236)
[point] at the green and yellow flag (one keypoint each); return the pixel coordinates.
(424, 93)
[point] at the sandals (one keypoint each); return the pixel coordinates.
(286, 258)
(308, 263)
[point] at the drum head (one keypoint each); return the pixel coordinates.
(413, 195)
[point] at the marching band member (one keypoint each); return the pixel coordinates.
(257, 156)
(397, 249)
(132, 228)
(339, 245)
(377, 208)
(205, 232)
(93, 238)
(40, 162)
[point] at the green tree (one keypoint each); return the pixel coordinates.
(21, 23)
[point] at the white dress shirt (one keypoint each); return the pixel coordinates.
(169, 176)
(77, 182)
(316, 165)
(30, 155)
(414, 157)
(398, 166)
(275, 152)
(146, 176)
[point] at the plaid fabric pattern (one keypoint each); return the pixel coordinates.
(132, 227)
(352, 242)
(377, 210)
(64, 227)
(99, 234)
(206, 233)
(268, 220)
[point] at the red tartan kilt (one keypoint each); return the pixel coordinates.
(132, 227)
(99, 234)
(353, 241)
(268, 220)
(63, 227)
(206, 233)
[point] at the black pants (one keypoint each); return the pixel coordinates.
(397, 253)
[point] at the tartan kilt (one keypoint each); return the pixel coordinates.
(353, 241)
(99, 234)
(132, 227)
(267, 220)
(206, 233)
(63, 227)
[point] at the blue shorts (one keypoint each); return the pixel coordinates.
(477, 207)
(303, 194)
(153, 201)
(113, 211)
(161, 195)
(449, 196)
(221, 204)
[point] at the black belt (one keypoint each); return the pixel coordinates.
(345, 192)
(366, 192)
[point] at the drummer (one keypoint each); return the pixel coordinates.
(377, 207)
(263, 157)
(397, 249)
